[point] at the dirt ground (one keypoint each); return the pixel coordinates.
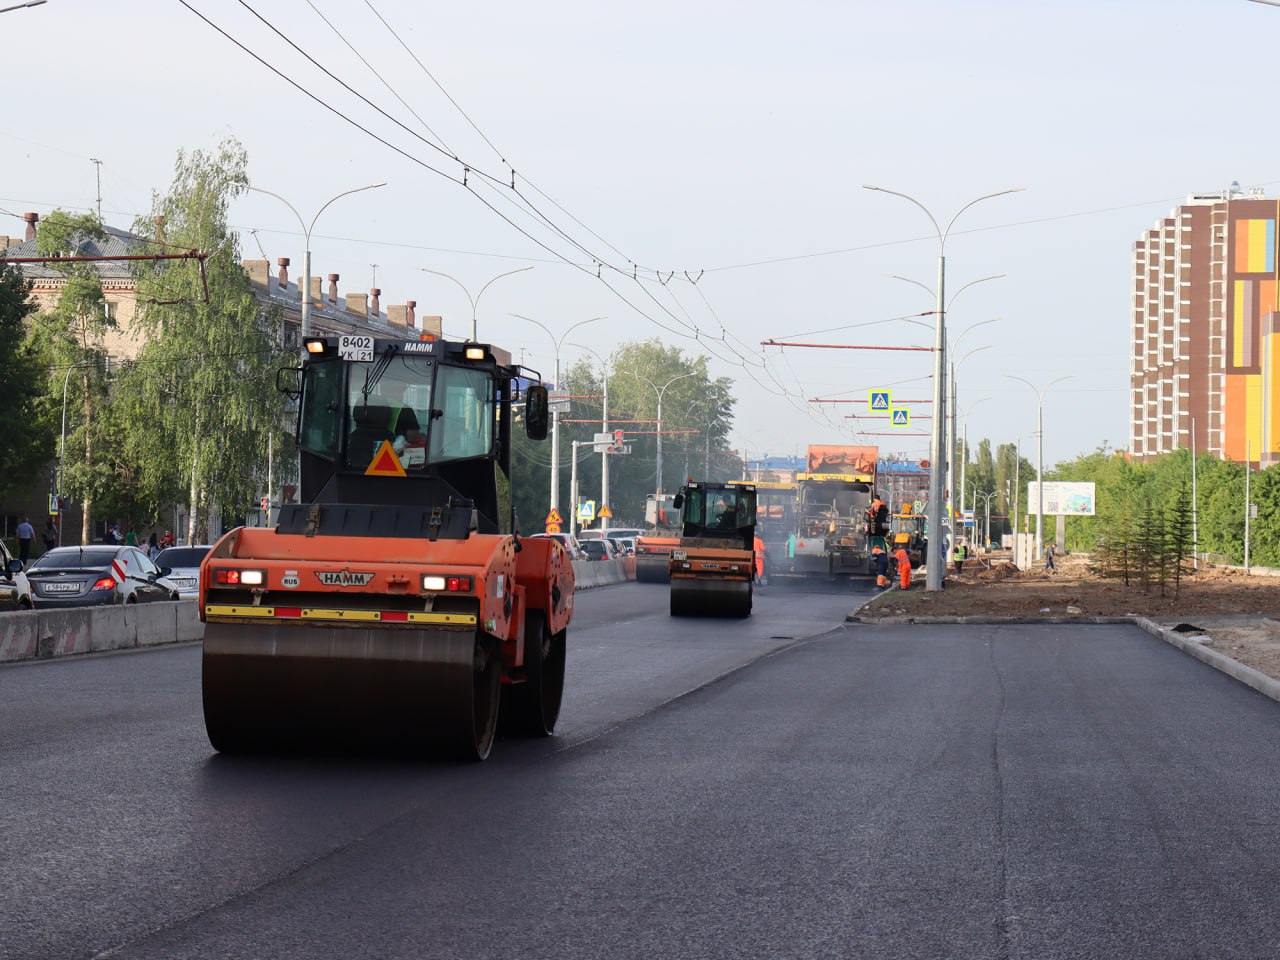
(1230, 610)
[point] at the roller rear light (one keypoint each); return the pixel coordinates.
(436, 583)
(232, 577)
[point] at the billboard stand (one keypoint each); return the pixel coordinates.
(1060, 535)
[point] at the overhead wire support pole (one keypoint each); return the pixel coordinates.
(936, 557)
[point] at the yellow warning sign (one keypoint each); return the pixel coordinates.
(553, 528)
(605, 511)
(554, 517)
(385, 463)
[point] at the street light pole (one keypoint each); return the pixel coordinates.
(604, 422)
(555, 414)
(306, 253)
(476, 299)
(936, 556)
(1039, 457)
(660, 391)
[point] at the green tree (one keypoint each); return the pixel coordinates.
(203, 410)
(26, 443)
(70, 340)
(693, 402)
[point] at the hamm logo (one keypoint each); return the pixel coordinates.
(343, 578)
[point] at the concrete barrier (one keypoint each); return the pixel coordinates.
(603, 573)
(40, 634)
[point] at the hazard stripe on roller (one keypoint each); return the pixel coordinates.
(362, 616)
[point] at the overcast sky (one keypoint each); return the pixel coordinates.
(722, 143)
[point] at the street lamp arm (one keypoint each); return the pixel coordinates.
(344, 193)
(936, 228)
(470, 299)
(994, 276)
(486, 286)
(923, 286)
(998, 193)
(301, 223)
(980, 323)
(580, 323)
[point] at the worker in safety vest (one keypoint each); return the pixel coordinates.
(758, 548)
(904, 567)
(881, 561)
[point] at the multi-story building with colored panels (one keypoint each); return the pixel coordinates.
(1205, 325)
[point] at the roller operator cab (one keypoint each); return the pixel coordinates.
(392, 608)
(713, 566)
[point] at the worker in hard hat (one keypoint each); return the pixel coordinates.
(758, 548)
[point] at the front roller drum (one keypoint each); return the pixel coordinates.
(653, 569)
(283, 687)
(692, 597)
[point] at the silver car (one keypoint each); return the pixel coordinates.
(184, 568)
(15, 590)
(96, 576)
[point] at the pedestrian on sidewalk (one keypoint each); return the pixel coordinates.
(50, 535)
(26, 533)
(1048, 558)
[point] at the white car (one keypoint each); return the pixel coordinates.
(184, 568)
(15, 590)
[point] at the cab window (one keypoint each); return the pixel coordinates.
(321, 406)
(464, 414)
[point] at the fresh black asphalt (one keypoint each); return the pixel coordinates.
(782, 787)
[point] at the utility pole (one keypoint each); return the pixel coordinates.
(98, 171)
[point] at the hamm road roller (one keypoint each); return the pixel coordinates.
(713, 567)
(388, 609)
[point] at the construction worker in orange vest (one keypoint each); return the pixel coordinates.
(758, 548)
(904, 567)
(881, 560)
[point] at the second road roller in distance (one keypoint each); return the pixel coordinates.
(389, 609)
(713, 567)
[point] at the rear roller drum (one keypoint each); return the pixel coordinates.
(423, 692)
(531, 708)
(710, 598)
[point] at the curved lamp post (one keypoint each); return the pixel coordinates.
(555, 414)
(476, 299)
(1039, 455)
(936, 557)
(659, 391)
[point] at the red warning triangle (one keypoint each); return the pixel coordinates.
(385, 463)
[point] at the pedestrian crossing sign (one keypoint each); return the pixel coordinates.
(878, 400)
(900, 417)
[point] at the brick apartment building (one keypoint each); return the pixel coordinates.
(331, 313)
(1205, 315)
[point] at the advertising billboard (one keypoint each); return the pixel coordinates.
(1062, 499)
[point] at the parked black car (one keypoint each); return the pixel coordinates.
(97, 575)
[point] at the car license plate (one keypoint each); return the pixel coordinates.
(183, 582)
(67, 587)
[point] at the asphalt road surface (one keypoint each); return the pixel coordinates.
(780, 787)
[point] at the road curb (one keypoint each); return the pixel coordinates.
(1265, 685)
(980, 620)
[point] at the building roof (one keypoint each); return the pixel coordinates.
(116, 243)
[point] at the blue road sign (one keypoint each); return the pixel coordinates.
(878, 399)
(900, 417)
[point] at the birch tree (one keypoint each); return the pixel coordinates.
(203, 401)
